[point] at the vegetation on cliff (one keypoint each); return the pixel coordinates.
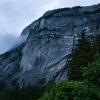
(83, 73)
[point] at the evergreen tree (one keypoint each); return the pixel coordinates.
(83, 54)
(96, 43)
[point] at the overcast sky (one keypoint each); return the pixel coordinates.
(17, 14)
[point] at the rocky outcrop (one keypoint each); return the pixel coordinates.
(10, 66)
(51, 38)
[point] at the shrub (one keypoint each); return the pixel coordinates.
(92, 73)
(29, 93)
(71, 90)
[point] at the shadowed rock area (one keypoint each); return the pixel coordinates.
(50, 39)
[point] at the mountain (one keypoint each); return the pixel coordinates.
(43, 56)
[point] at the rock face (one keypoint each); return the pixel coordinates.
(43, 56)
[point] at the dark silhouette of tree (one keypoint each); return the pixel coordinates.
(83, 53)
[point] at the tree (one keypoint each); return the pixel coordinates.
(92, 73)
(83, 54)
(96, 43)
(71, 90)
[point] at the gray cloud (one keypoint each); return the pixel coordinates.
(7, 41)
(17, 14)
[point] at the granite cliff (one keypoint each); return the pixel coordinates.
(43, 56)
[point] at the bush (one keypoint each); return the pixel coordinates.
(29, 93)
(92, 73)
(71, 90)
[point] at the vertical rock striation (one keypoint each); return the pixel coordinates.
(50, 40)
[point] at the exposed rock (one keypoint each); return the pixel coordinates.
(50, 40)
(10, 66)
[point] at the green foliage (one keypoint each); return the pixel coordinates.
(71, 90)
(96, 43)
(92, 73)
(85, 66)
(83, 54)
(28, 93)
(83, 69)
(65, 90)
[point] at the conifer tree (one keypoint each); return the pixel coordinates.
(97, 43)
(83, 54)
